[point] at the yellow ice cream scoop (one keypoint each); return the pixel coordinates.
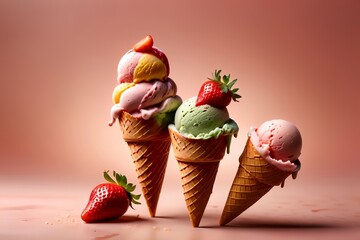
(149, 68)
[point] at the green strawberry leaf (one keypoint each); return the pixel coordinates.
(136, 197)
(108, 178)
(217, 75)
(121, 180)
(225, 84)
(235, 97)
(226, 79)
(130, 187)
(231, 84)
(135, 202)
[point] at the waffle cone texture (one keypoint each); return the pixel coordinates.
(254, 178)
(149, 146)
(198, 164)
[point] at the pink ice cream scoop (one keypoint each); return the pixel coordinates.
(279, 142)
(283, 138)
(147, 98)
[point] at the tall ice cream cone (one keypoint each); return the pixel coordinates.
(145, 102)
(149, 145)
(198, 161)
(254, 178)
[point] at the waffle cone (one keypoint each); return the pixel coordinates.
(149, 147)
(198, 163)
(254, 178)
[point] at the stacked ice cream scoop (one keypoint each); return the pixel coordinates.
(145, 101)
(152, 117)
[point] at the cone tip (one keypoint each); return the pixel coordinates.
(195, 224)
(195, 220)
(152, 212)
(226, 218)
(222, 222)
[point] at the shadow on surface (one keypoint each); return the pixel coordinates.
(125, 219)
(212, 222)
(284, 224)
(175, 217)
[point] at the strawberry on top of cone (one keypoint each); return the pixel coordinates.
(217, 91)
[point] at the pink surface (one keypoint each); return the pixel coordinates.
(294, 60)
(288, 213)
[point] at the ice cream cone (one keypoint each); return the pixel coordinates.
(149, 145)
(254, 178)
(198, 162)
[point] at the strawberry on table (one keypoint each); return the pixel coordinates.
(217, 91)
(110, 200)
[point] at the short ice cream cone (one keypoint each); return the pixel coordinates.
(198, 163)
(149, 145)
(254, 178)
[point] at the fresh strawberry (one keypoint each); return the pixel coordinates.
(109, 200)
(217, 92)
(144, 45)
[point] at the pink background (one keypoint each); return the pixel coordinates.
(296, 60)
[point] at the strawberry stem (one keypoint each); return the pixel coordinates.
(121, 180)
(225, 84)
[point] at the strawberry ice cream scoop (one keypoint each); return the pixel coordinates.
(145, 99)
(283, 138)
(279, 142)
